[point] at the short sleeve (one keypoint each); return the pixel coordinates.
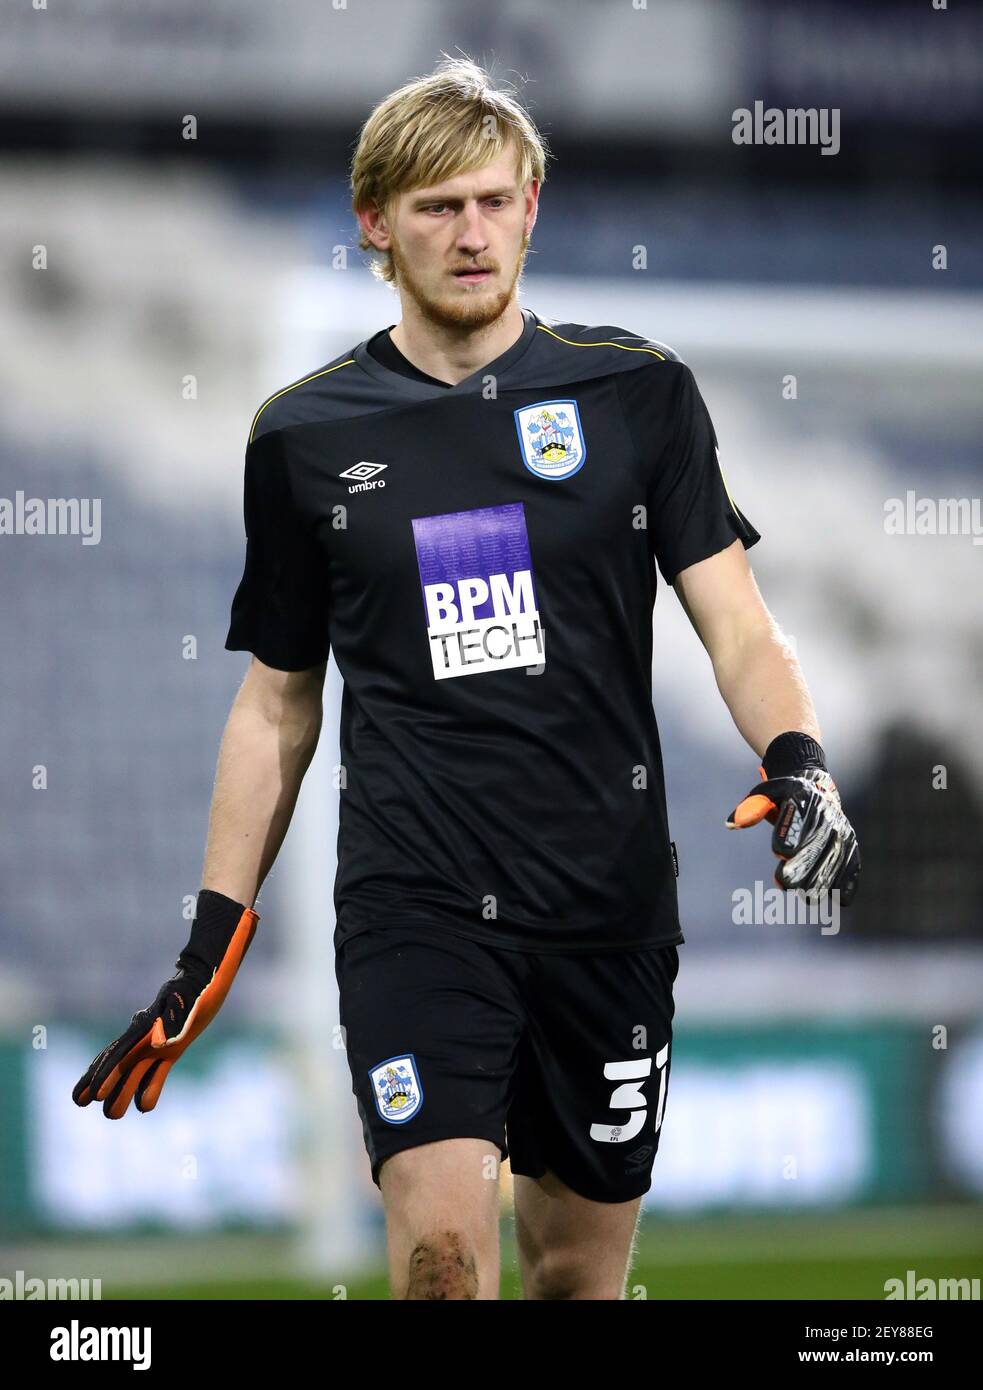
(691, 512)
(280, 611)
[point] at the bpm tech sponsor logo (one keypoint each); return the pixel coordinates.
(479, 594)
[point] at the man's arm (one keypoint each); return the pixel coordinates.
(269, 741)
(267, 746)
(757, 672)
(762, 684)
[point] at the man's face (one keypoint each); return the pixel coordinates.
(459, 246)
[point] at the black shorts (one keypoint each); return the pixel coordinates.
(561, 1061)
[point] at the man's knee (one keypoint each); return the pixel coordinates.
(443, 1265)
(563, 1275)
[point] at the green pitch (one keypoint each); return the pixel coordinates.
(841, 1256)
(830, 1279)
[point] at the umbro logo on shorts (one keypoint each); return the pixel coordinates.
(363, 476)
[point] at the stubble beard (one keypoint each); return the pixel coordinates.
(461, 311)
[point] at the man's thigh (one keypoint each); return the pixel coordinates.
(593, 1074)
(442, 1220)
(570, 1247)
(432, 1024)
(585, 1121)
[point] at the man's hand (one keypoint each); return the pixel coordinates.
(136, 1064)
(814, 841)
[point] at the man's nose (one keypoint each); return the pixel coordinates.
(471, 235)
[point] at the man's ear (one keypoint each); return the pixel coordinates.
(531, 192)
(375, 225)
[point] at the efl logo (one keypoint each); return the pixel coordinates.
(478, 591)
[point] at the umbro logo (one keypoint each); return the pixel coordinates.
(364, 475)
(635, 1162)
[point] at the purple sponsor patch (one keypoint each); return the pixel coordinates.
(469, 545)
(479, 597)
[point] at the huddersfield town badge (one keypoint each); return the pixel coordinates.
(551, 439)
(397, 1089)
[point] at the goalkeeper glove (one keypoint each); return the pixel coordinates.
(813, 839)
(137, 1063)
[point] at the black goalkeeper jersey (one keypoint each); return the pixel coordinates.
(481, 558)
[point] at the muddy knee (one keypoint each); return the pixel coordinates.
(443, 1265)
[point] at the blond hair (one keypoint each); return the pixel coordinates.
(434, 128)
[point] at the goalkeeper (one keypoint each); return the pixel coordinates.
(507, 916)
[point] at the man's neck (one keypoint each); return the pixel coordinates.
(452, 354)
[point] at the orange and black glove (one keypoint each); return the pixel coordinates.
(137, 1063)
(815, 843)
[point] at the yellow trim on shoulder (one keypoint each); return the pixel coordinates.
(654, 353)
(726, 488)
(326, 372)
(723, 479)
(571, 343)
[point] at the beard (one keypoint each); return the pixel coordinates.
(477, 309)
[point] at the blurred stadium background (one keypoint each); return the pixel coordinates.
(825, 1121)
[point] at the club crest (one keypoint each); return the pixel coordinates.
(551, 439)
(397, 1089)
